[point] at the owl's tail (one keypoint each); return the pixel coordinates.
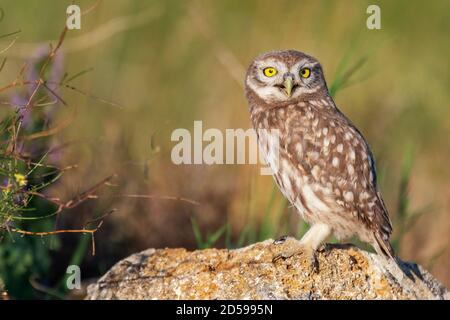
(383, 247)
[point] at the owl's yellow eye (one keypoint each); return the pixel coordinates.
(270, 72)
(305, 72)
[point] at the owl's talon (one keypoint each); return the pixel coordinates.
(277, 257)
(280, 240)
(314, 263)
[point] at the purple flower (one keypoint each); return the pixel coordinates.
(55, 69)
(34, 120)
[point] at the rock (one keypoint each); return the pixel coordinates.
(345, 272)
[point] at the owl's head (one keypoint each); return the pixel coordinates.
(284, 76)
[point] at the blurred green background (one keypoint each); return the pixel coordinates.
(169, 63)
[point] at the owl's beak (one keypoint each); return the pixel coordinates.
(288, 84)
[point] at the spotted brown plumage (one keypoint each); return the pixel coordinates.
(320, 161)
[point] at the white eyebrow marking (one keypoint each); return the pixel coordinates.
(312, 64)
(298, 64)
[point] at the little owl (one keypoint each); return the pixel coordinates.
(320, 161)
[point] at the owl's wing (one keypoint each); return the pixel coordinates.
(334, 154)
(380, 223)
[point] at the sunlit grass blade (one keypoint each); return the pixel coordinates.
(10, 34)
(79, 74)
(214, 237)
(210, 239)
(197, 233)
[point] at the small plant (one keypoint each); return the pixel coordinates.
(28, 167)
(210, 239)
(344, 72)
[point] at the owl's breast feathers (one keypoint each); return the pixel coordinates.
(325, 167)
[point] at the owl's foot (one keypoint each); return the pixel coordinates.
(290, 247)
(280, 240)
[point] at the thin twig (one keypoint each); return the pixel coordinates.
(9, 46)
(48, 233)
(158, 197)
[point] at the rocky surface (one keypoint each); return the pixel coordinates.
(344, 272)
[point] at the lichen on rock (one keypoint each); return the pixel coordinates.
(344, 272)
